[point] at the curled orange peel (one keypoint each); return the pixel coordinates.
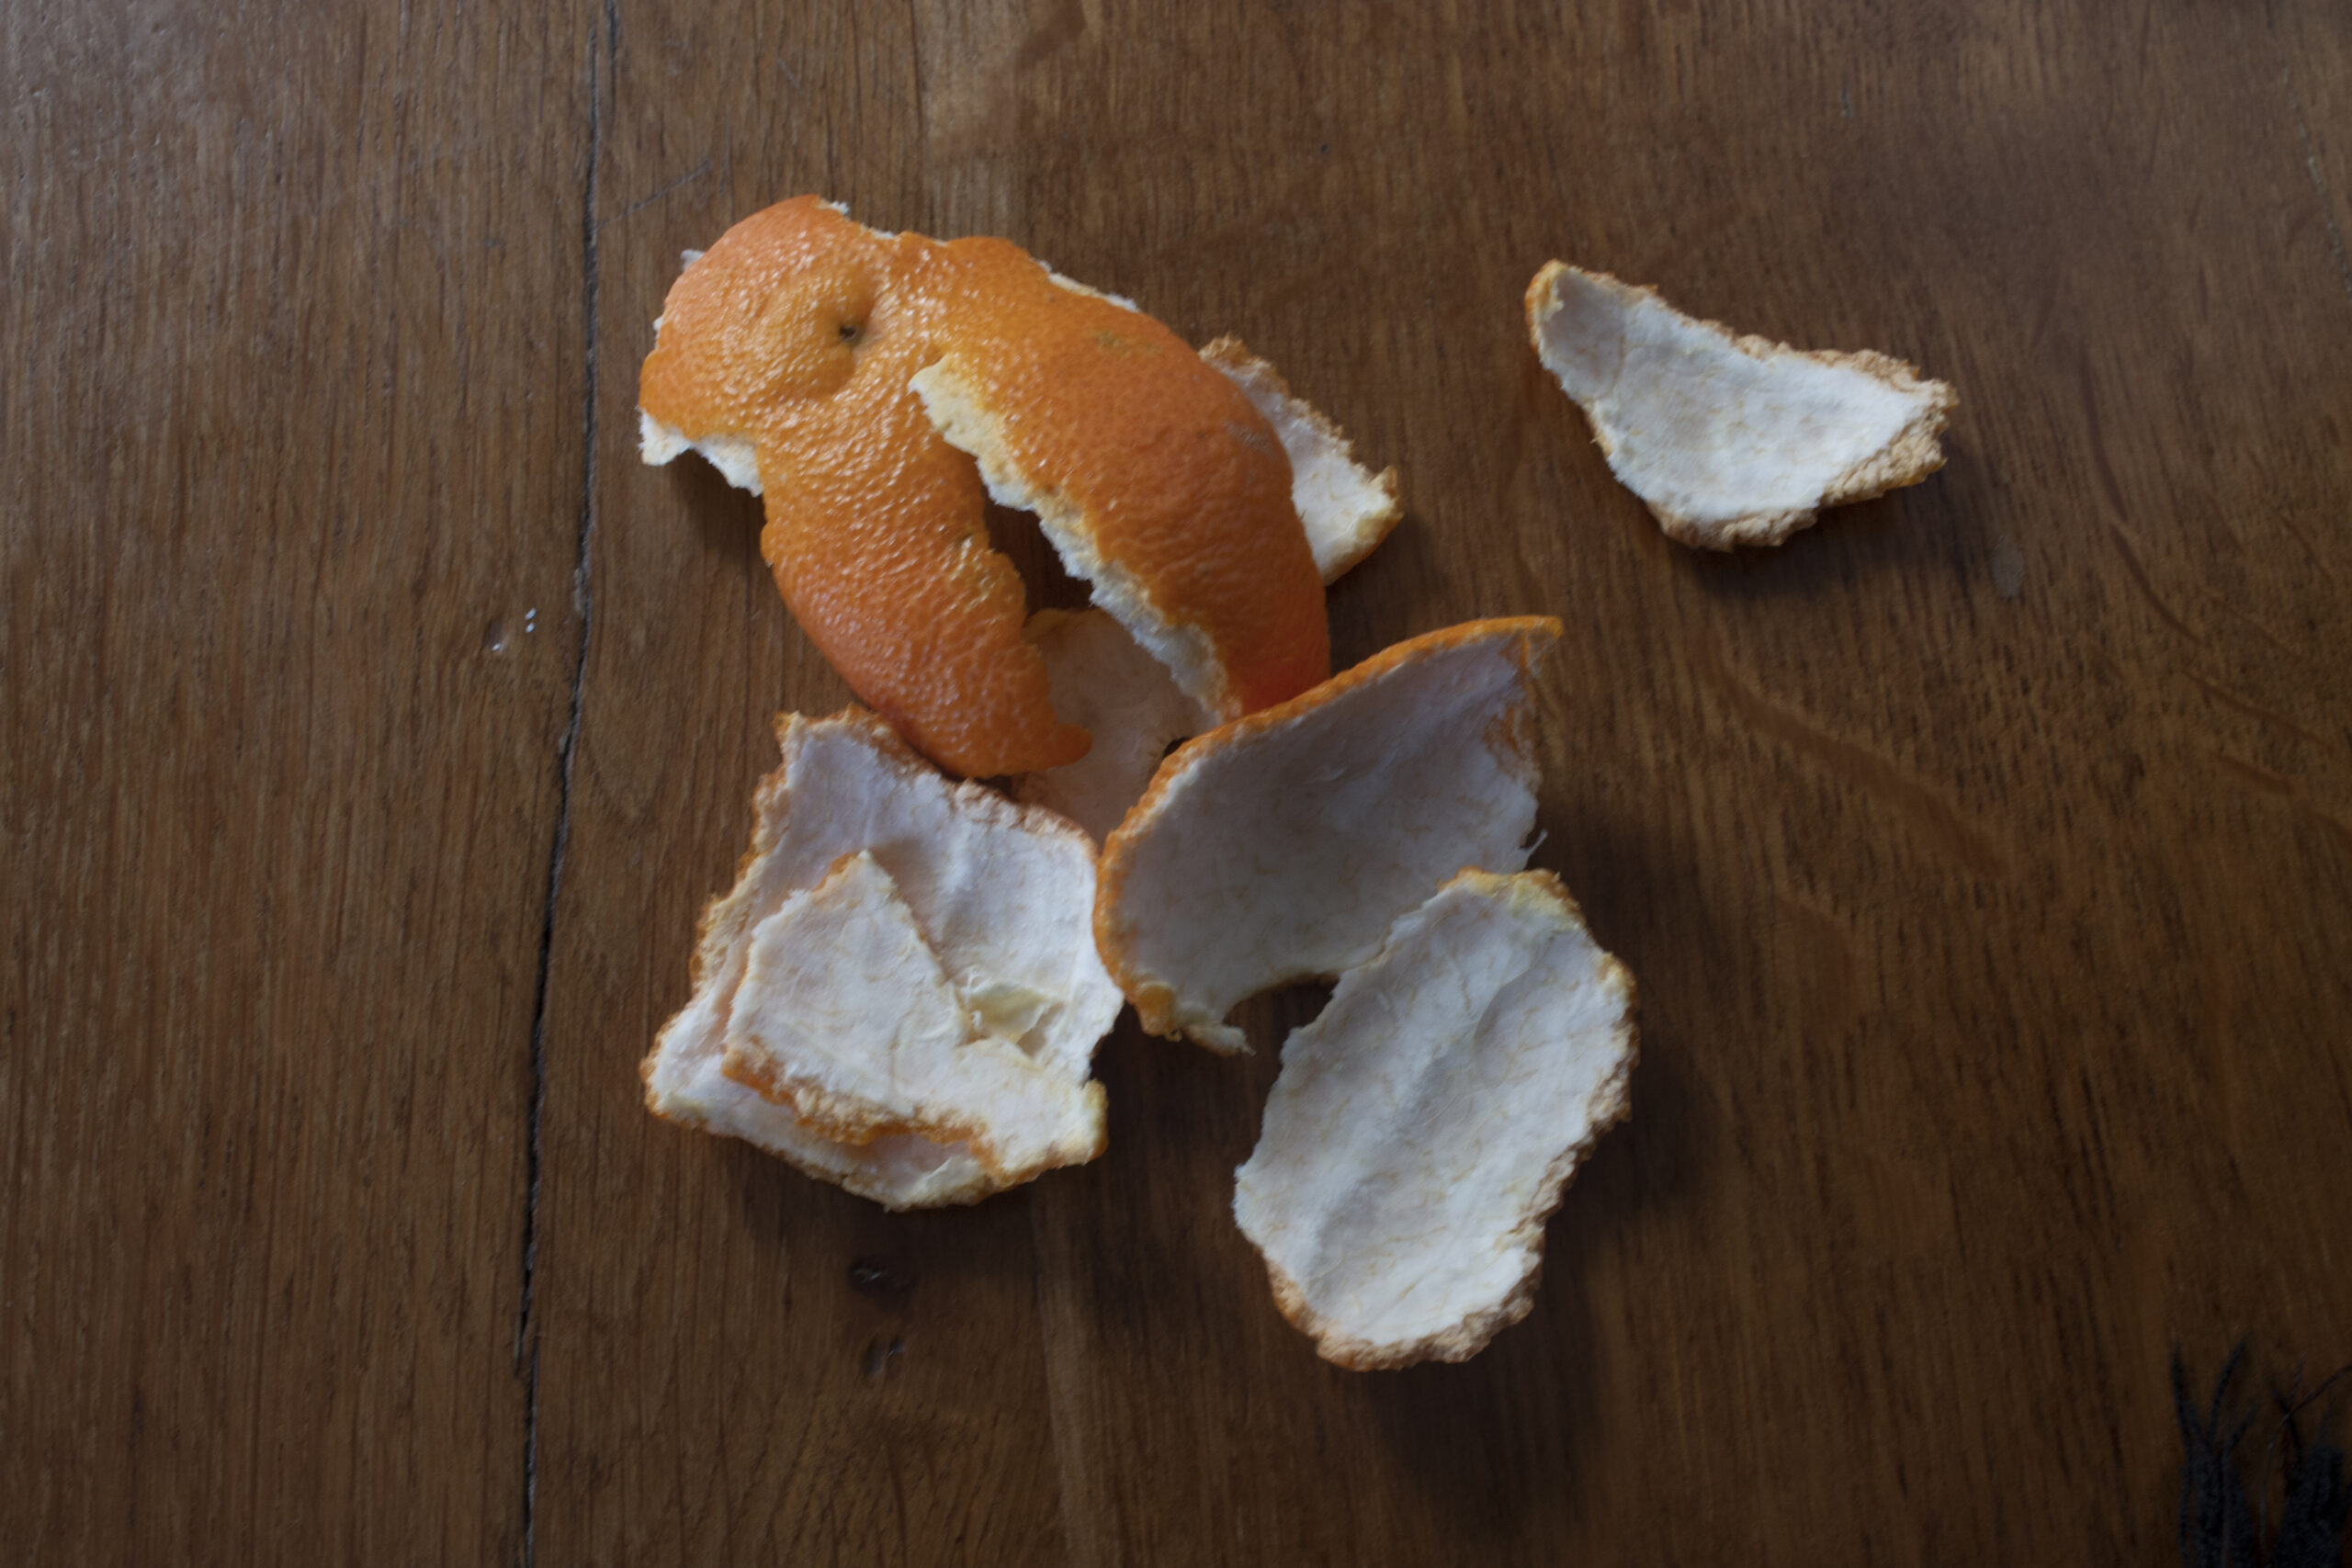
(1283, 845)
(792, 349)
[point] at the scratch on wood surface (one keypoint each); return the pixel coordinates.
(1941, 823)
(2126, 547)
(2290, 791)
(2228, 698)
(2112, 490)
(2319, 562)
(2254, 624)
(642, 203)
(2312, 165)
(2100, 463)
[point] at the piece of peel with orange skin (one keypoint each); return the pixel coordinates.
(1105, 682)
(1153, 474)
(796, 334)
(798, 337)
(1282, 846)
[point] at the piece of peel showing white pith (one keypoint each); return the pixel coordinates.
(1346, 507)
(1282, 846)
(1731, 440)
(1104, 683)
(845, 1015)
(1107, 685)
(1157, 520)
(999, 894)
(1425, 1125)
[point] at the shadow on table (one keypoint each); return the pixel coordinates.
(1498, 1443)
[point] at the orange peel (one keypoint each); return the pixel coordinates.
(1283, 845)
(1103, 680)
(847, 1015)
(829, 357)
(878, 898)
(1730, 439)
(1346, 508)
(1121, 696)
(1425, 1125)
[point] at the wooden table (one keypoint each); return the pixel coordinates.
(376, 726)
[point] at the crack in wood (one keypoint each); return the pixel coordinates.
(526, 1348)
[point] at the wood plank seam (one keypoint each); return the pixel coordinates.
(583, 592)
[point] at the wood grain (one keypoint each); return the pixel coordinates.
(1984, 855)
(293, 436)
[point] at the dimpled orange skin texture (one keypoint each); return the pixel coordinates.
(800, 328)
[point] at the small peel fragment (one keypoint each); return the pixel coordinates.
(1282, 846)
(845, 1016)
(1730, 439)
(1000, 894)
(1346, 507)
(1425, 1124)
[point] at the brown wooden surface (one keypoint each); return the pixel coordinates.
(292, 427)
(1985, 855)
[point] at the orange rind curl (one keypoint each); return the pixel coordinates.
(858, 374)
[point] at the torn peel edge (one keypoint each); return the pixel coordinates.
(974, 1025)
(735, 457)
(1914, 455)
(1524, 640)
(1159, 1015)
(844, 1174)
(854, 1122)
(824, 1159)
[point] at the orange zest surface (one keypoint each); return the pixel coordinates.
(800, 330)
